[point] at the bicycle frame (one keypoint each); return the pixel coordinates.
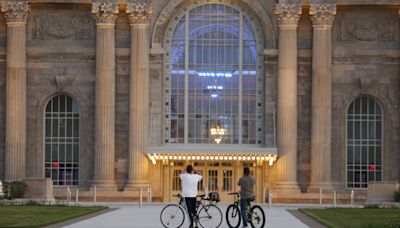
(237, 203)
(199, 204)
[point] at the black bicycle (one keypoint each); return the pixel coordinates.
(208, 214)
(255, 214)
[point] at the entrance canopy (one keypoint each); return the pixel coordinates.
(191, 152)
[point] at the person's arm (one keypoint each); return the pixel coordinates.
(240, 182)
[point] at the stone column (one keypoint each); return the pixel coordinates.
(288, 16)
(139, 15)
(15, 13)
(322, 16)
(105, 15)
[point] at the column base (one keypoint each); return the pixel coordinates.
(287, 186)
(135, 185)
(104, 185)
(314, 187)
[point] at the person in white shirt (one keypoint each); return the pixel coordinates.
(189, 190)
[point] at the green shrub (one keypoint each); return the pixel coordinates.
(15, 189)
(397, 196)
(5, 189)
(371, 205)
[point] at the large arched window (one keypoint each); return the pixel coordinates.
(62, 140)
(214, 76)
(364, 142)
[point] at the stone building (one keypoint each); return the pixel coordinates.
(123, 95)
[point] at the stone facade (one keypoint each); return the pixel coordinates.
(61, 59)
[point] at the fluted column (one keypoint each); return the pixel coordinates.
(15, 13)
(288, 16)
(322, 16)
(105, 15)
(139, 15)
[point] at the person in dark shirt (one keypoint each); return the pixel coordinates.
(246, 183)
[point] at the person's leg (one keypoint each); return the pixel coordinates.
(191, 207)
(243, 208)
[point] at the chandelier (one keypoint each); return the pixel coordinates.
(217, 132)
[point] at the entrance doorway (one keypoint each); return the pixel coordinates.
(221, 177)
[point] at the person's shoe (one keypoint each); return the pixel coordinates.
(244, 226)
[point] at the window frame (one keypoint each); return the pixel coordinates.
(382, 121)
(75, 182)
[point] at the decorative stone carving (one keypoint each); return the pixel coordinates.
(15, 11)
(322, 14)
(366, 83)
(62, 82)
(287, 14)
(105, 13)
(368, 25)
(62, 25)
(139, 13)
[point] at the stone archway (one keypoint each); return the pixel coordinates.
(252, 8)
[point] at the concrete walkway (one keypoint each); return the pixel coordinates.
(148, 216)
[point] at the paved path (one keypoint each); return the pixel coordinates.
(148, 217)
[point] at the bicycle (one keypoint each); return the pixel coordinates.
(255, 214)
(208, 215)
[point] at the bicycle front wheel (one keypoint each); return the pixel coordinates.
(172, 216)
(257, 217)
(233, 217)
(210, 216)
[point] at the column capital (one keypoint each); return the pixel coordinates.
(139, 13)
(287, 14)
(15, 11)
(322, 14)
(105, 13)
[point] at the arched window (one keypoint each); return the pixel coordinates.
(364, 142)
(214, 76)
(62, 140)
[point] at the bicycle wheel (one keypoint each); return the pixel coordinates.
(257, 217)
(210, 216)
(172, 215)
(233, 217)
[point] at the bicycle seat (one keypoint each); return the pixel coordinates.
(177, 195)
(202, 195)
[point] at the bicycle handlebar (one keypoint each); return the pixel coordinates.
(234, 193)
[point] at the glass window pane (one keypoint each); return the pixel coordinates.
(62, 152)
(55, 104)
(62, 104)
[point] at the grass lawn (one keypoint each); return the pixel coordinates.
(359, 217)
(39, 216)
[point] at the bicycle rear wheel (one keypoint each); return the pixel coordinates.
(257, 217)
(172, 216)
(210, 216)
(233, 217)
